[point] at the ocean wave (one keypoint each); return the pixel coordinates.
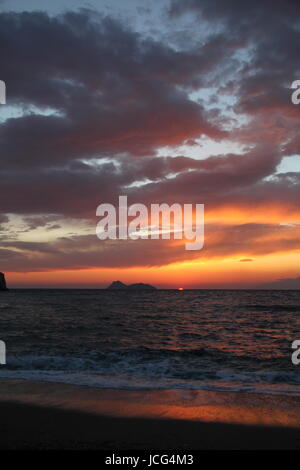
(128, 382)
(191, 369)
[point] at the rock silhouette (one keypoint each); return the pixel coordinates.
(141, 286)
(2, 282)
(118, 285)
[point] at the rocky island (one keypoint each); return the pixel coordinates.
(2, 282)
(118, 285)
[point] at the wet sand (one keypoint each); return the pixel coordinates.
(38, 415)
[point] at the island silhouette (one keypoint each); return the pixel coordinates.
(118, 285)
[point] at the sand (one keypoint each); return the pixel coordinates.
(36, 415)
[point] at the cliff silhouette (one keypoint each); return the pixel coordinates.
(2, 282)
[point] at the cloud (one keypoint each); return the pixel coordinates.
(284, 283)
(3, 218)
(111, 90)
(216, 181)
(268, 36)
(87, 251)
(98, 104)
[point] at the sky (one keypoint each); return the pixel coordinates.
(166, 101)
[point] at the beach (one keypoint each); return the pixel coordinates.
(149, 226)
(195, 370)
(40, 415)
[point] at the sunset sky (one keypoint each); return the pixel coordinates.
(174, 101)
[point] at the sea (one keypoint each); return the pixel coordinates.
(221, 340)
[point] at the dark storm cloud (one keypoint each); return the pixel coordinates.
(240, 16)
(227, 179)
(59, 191)
(270, 30)
(3, 219)
(112, 90)
(230, 179)
(40, 221)
(103, 90)
(117, 93)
